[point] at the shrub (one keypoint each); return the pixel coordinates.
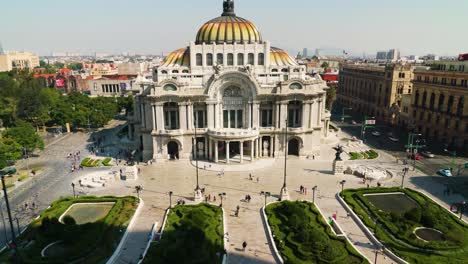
(413, 215)
(106, 161)
(68, 220)
(23, 177)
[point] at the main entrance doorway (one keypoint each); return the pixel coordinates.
(173, 150)
(293, 147)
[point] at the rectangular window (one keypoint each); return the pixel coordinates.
(200, 118)
(453, 82)
(230, 59)
(239, 118)
(267, 118)
(251, 59)
(232, 118)
(219, 59)
(261, 59)
(209, 59)
(226, 119)
(240, 59)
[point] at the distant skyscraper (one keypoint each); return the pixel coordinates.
(304, 52)
(393, 55)
(381, 55)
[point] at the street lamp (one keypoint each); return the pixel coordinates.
(454, 155)
(405, 171)
(313, 193)
(462, 209)
(343, 116)
(284, 190)
(73, 187)
(170, 199)
(266, 194)
(221, 196)
(195, 148)
(13, 238)
(342, 184)
(411, 137)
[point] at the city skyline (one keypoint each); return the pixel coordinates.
(155, 27)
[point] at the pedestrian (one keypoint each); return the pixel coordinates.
(301, 189)
(209, 197)
(258, 179)
(34, 205)
(250, 176)
(214, 198)
(244, 245)
(25, 206)
(305, 191)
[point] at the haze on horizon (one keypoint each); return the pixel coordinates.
(156, 26)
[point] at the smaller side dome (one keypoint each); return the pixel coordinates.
(279, 57)
(180, 57)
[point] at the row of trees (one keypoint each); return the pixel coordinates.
(25, 106)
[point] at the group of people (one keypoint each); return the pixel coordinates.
(208, 197)
(75, 158)
(251, 178)
(303, 190)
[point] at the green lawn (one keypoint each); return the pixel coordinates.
(396, 228)
(193, 234)
(89, 213)
(88, 243)
(302, 236)
(370, 154)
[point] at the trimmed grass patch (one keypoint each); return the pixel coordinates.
(396, 226)
(370, 154)
(193, 234)
(88, 243)
(89, 213)
(302, 236)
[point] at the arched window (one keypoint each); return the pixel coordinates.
(416, 99)
(295, 86)
(230, 59)
(274, 70)
(219, 59)
(250, 59)
(175, 71)
(424, 98)
(240, 59)
(432, 101)
(284, 70)
(185, 71)
(199, 59)
(209, 59)
(461, 105)
(170, 88)
(261, 59)
(296, 70)
(440, 106)
(163, 72)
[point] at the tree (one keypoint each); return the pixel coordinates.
(25, 135)
(75, 66)
(331, 96)
(10, 150)
(325, 65)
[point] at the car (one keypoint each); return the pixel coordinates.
(376, 133)
(354, 122)
(393, 138)
(445, 172)
(416, 156)
(427, 154)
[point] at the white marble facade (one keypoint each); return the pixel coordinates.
(234, 96)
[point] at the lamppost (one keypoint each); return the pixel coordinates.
(454, 155)
(221, 196)
(266, 194)
(405, 171)
(313, 193)
(198, 194)
(73, 187)
(170, 199)
(342, 184)
(378, 251)
(343, 116)
(284, 190)
(462, 209)
(13, 238)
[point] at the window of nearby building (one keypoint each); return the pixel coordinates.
(199, 115)
(250, 59)
(435, 80)
(432, 101)
(464, 83)
(453, 82)
(171, 116)
(261, 59)
(419, 78)
(450, 104)
(266, 111)
(444, 81)
(461, 68)
(424, 98)
(294, 114)
(209, 59)
(461, 105)
(240, 59)
(219, 59)
(199, 59)
(426, 79)
(230, 59)
(457, 125)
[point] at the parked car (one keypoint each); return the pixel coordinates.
(393, 138)
(427, 154)
(354, 122)
(376, 133)
(445, 172)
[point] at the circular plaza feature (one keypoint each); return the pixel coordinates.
(429, 234)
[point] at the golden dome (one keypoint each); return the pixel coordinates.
(279, 57)
(179, 57)
(228, 28)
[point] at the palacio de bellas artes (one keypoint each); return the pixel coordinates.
(240, 97)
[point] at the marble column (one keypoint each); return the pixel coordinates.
(217, 118)
(258, 147)
(183, 116)
(311, 104)
(227, 152)
(241, 148)
(271, 146)
(216, 160)
(209, 147)
(249, 115)
(305, 114)
(160, 116)
(284, 114)
(190, 121)
(210, 115)
(153, 115)
(277, 114)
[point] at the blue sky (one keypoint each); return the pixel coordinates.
(156, 26)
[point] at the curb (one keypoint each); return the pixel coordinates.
(117, 251)
(150, 240)
(276, 254)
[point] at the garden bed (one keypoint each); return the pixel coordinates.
(91, 163)
(192, 234)
(302, 236)
(86, 243)
(370, 154)
(396, 224)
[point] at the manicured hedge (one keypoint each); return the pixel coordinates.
(396, 231)
(193, 234)
(88, 243)
(370, 154)
(302, 236)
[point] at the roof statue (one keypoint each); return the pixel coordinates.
(228, 8)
